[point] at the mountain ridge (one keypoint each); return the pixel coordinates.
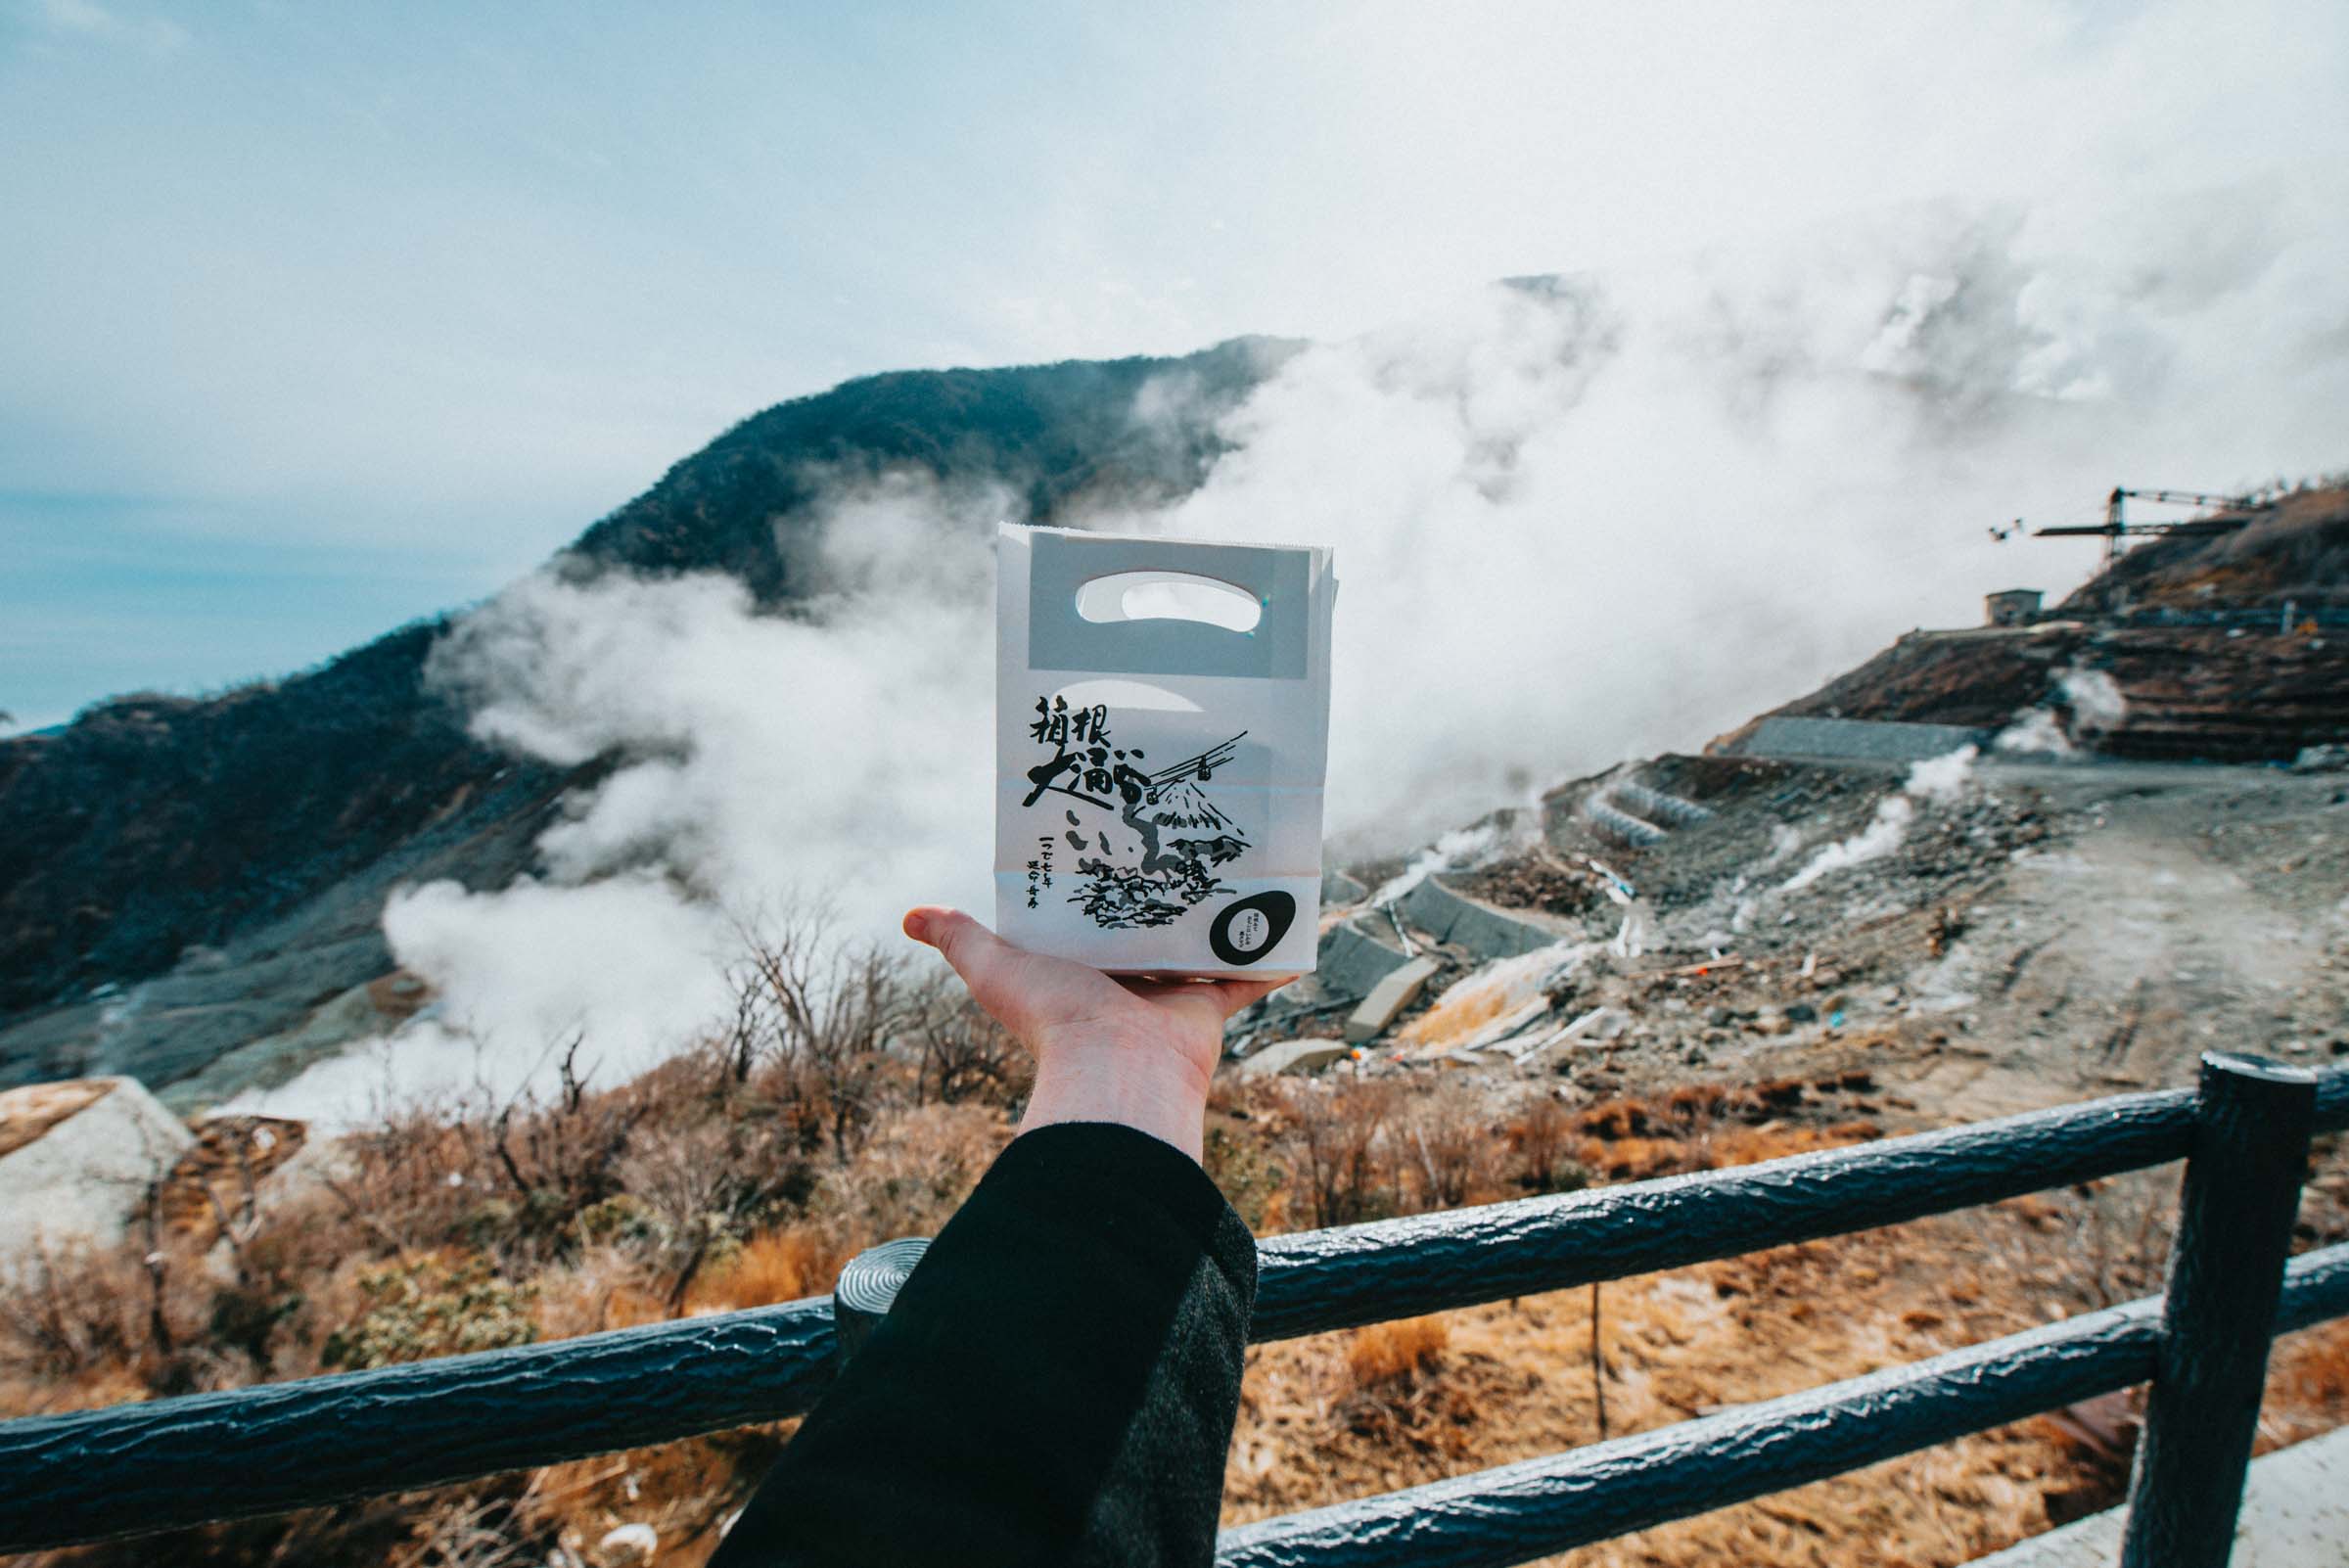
(153, 830)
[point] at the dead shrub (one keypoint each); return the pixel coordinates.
(772, 1266)
(689, 1195)
(1339, 1133)
(823, 1016)
(1389, 1353)
(602, 1287)
(1539, 1147)
(433, 1305)
(963, 1054)
(913, 1172)
(1447, 1144)
(83, 1325)
(79, 1307)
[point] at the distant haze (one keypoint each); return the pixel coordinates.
(321, 319)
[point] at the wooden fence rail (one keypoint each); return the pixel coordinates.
(166, 1464)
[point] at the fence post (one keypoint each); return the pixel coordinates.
(2234, 1227)
(869, 1287)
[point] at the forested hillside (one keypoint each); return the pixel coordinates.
(155, 824)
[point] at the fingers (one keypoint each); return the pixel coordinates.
(992, 970)
(1148, 986)
(1228, 996)
(1233, 995)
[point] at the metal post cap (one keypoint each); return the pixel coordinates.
(868, 1286)
(2243, 1064)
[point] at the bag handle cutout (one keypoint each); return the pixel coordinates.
(1169, 596)
(1060, 638)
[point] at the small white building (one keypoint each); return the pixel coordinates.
(2011, 606)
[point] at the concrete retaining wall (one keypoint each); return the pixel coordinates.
(1483, 929)
(1861, 739)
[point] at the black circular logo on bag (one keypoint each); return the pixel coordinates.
(1250, 928)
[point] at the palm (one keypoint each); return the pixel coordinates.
(1048, 1003)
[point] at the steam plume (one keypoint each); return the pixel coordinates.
(1576, 520)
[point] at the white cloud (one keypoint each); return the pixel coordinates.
(833, 764)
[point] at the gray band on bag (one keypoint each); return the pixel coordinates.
(869, 1287)
(1059, 638)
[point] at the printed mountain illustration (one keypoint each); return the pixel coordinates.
(1182, 807)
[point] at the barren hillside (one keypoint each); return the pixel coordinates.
(2227, 648)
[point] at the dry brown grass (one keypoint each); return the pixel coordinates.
(781, 1265)
(744, 1172)
(1340, 1416)
(2307, 1383)
(602, 1288)
(1390, 1352)
(1708, 1127)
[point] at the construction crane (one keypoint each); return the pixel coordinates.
(2117, 527)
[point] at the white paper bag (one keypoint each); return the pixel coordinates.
(1158, 780)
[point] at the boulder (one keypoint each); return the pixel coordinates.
(1391, 995)
(363, 1012)
(1292, 1056)
(80, 1159)
(1352, 961)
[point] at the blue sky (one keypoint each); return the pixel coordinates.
(319, 318)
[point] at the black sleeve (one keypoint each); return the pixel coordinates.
(1055, 1384)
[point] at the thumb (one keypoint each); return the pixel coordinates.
(975, 953)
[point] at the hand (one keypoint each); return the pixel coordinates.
(1107, 1048)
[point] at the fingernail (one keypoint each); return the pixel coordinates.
(917, 925)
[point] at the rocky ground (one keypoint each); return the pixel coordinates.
(1986, 937)
(1816, 953)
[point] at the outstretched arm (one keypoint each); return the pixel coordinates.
(1135, 1052)
(1057, 1381)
